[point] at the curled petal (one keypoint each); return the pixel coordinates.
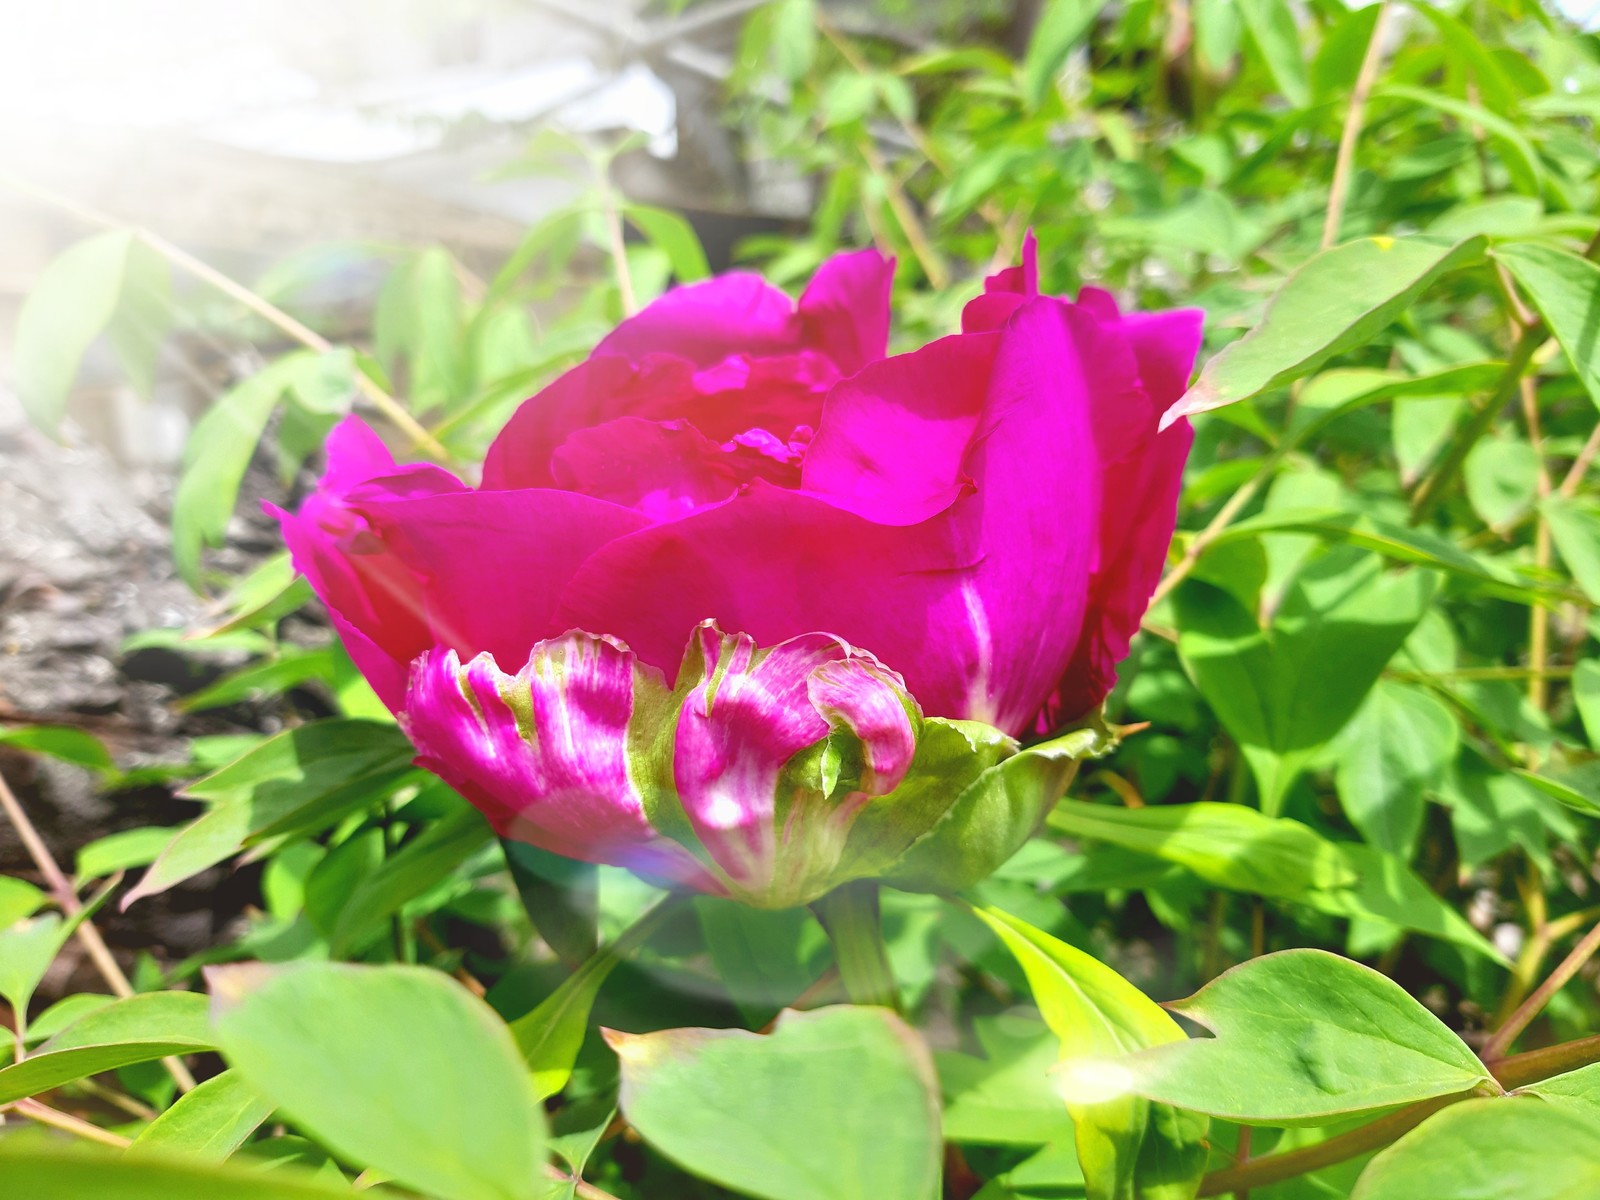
(771, 824)
(545, 753)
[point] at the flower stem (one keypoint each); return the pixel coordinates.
(851, 917)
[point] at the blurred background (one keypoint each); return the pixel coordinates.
(225, 224)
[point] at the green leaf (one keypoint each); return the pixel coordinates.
(1586, 693)
(549, 1037)
(265, 596)
(1502, 479)
(420, 319)
(119, 851)
(1399, 544)
(27, 949)
(560, 896)
(1489, 1149)
(18, 899)
(760, 954)
(1565, 291)
(76, 1173)
(63, 742)
(260, 680)
(1227, 845)
(1389, 891)
(1272, 27)
(1301, 1036)
(1007, 1097)
(674, 236)
(137, 1029)
(1395, 749)
(296, 782)
(1286, 693)
(207, 1124)
(1575, 530)
(835, 1104)
(1578, 1090)
(215, 459)
(412, 870)
(1061, 26)
(71, 305)
(396, 1068)
(1337, 301)
(1129, 1149)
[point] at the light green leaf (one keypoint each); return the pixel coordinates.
(1502, 479)
(1490, 1150)
(207, 1124)
(18, 899)
(416, 867)
(1394, 750)
(71, 305)
(295, 782)
(1272, 27)
(27, 949)
(835, 1104)
(1565, 291)
(1586, 692)
(1007, 1097)
(50, 1172)
(1578, 1090)
(1227, 845)
(1337, 301)
(1129, 1149)
(64, 742)
(549, 1037)
(1575, 529)
(1061, 25)
(674, 236)
(1301, 1036)
(119, 851)
(215, 459)
(138, 1029)
(442, 1105)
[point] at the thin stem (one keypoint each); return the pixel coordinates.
(66, 897)
(1274, 1168)
(910, 224)
(1344, 163)
(1518, 1070)
(850, 915)
(1534, 1004)
(1580, 465)
(67, 1123)
(617, 243)
(267, 311)
(587, 1190)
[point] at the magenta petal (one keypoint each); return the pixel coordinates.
(544, 753)
(737, 313)
(375, 601)
(492, 565)
(845, 309)
(894, 436)
(753, 710)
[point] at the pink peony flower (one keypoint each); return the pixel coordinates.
(987, 515)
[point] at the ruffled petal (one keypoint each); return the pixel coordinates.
(894, 436)
(747, 713)
(545, 753)
(665, 469)
(740, 393)
(844, 311)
